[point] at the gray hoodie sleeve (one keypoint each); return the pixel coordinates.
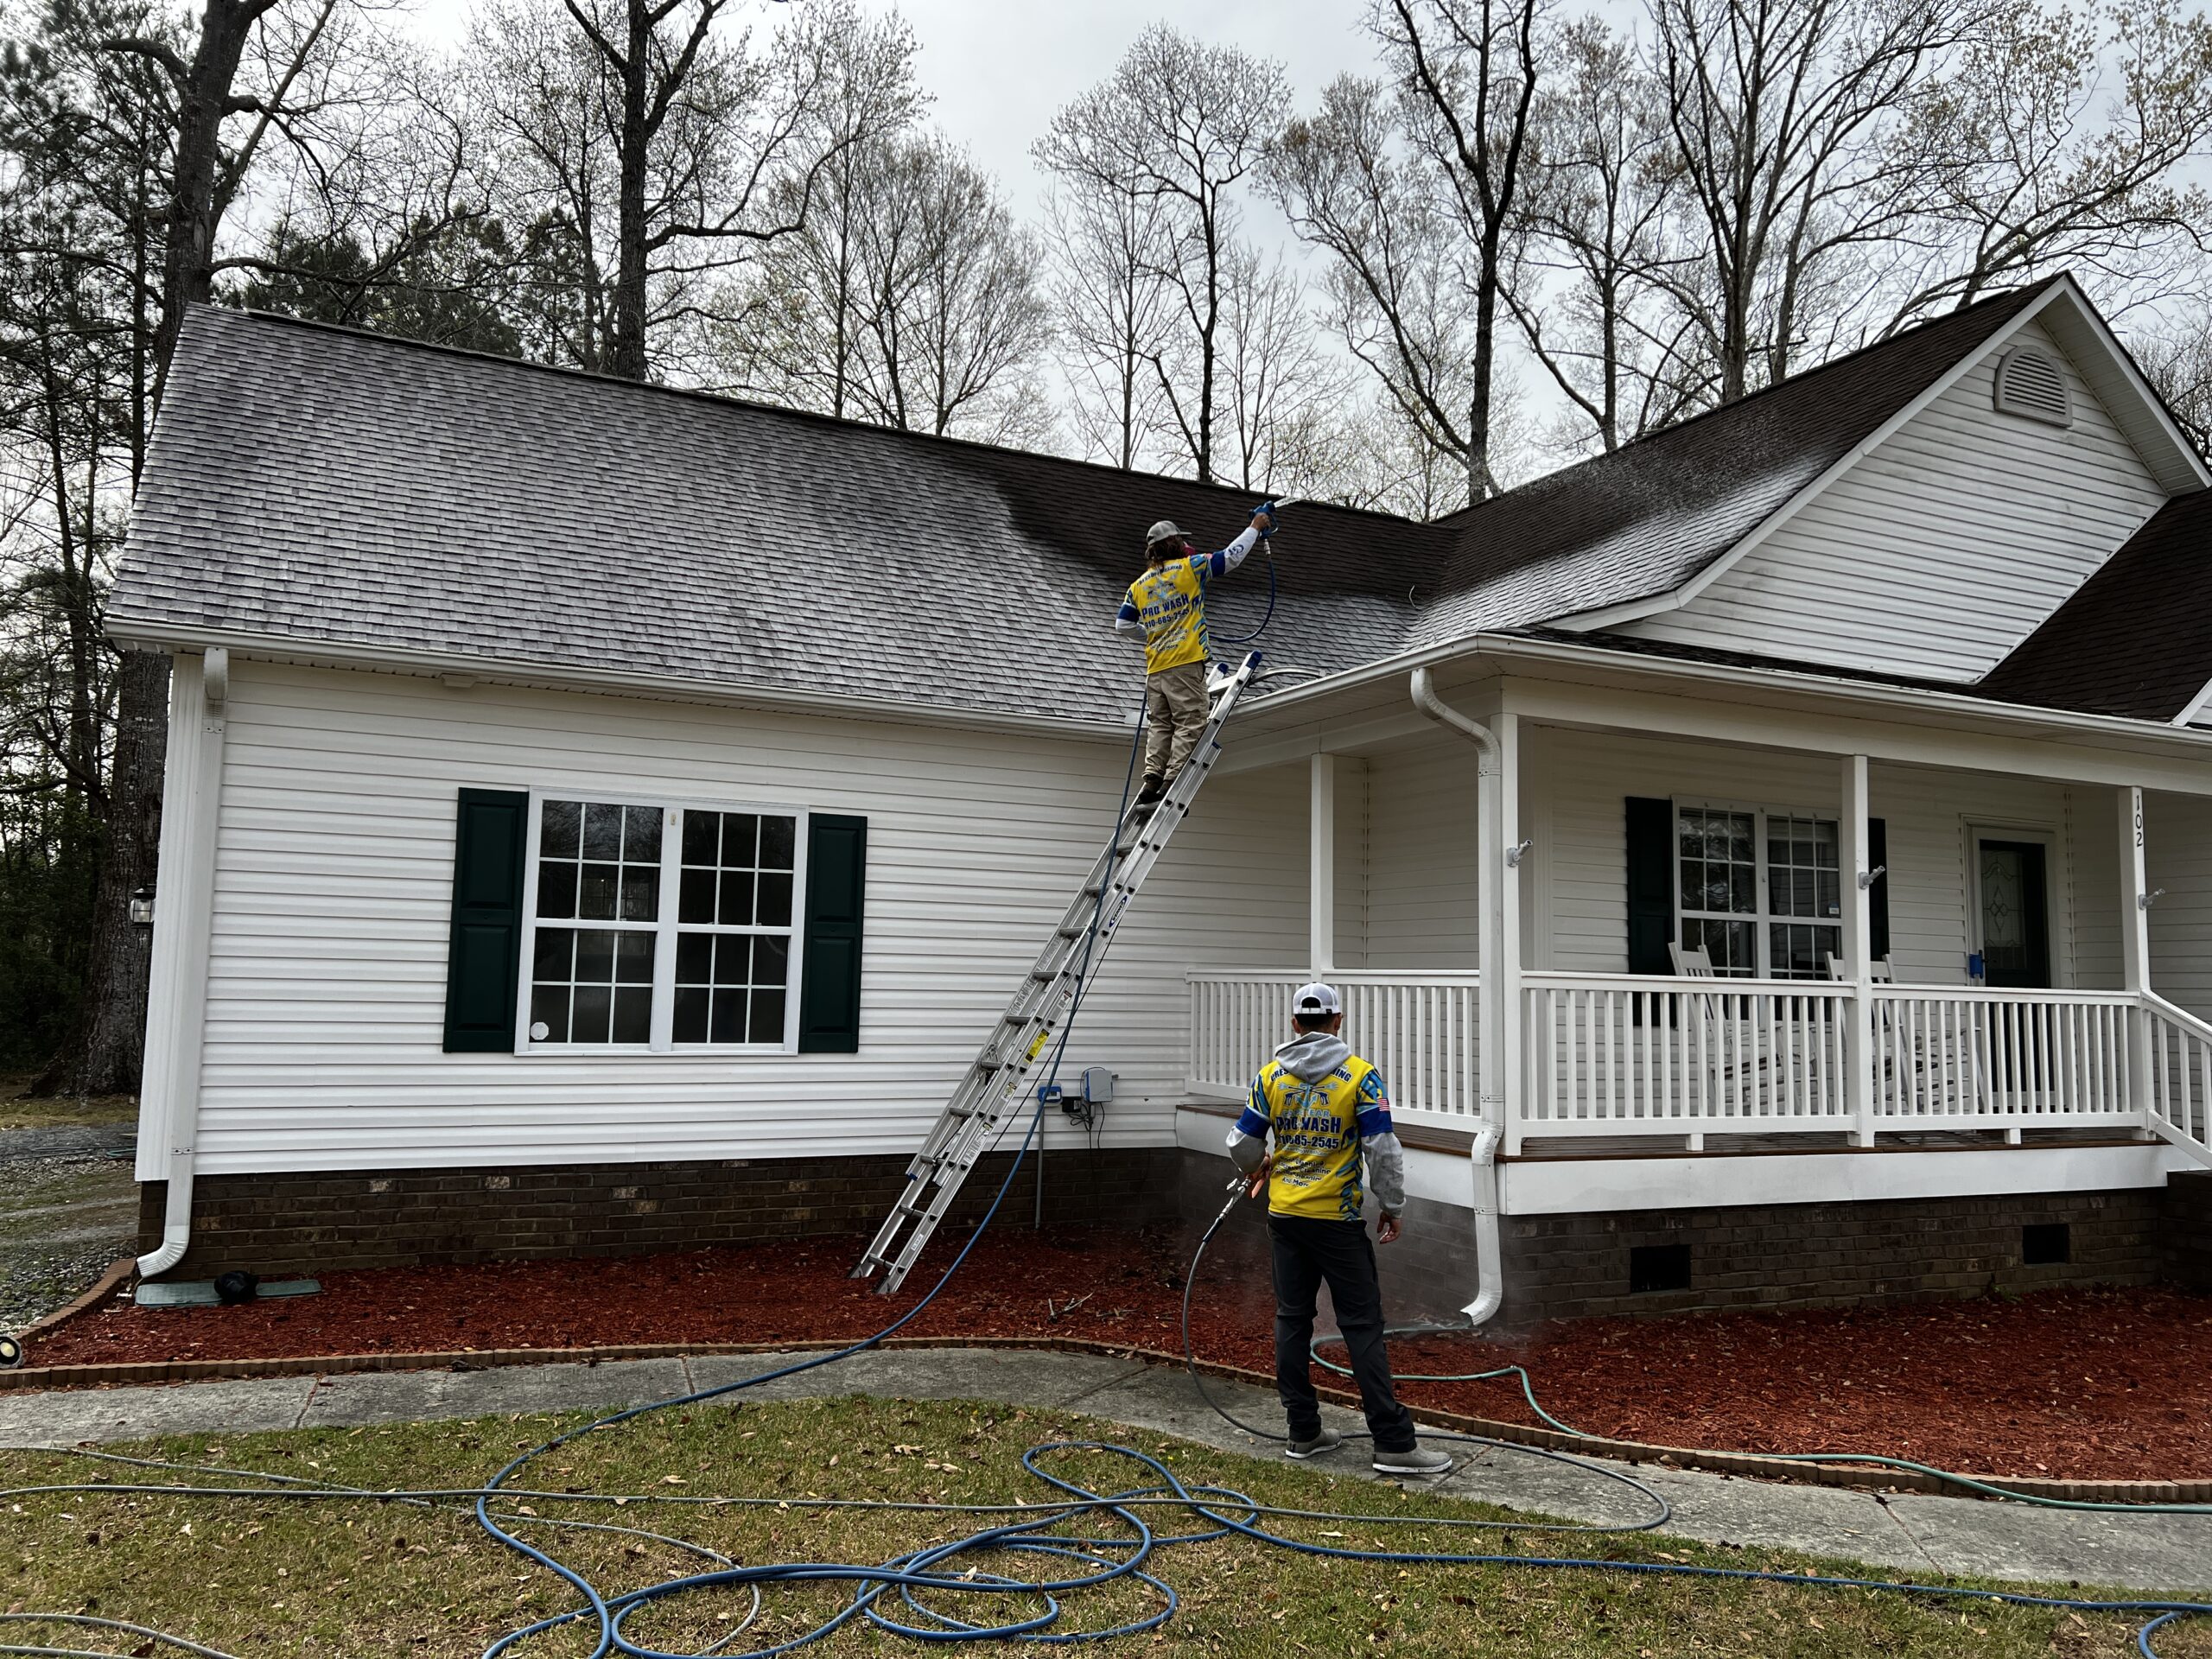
(1247, 1150)
(1386, 1170)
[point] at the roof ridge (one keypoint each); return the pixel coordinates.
(725, 400)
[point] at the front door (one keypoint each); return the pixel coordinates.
(2015, 914)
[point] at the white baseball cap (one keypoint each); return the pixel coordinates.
(1316, 1001)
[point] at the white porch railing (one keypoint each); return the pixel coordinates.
(1620, 1054)
(1958, 1058)
(1420, 1028)
(1623, 1053)
(2180, 1103)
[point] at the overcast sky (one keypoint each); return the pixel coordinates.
(999, 68)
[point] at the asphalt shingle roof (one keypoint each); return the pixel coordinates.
(324, 484)
(2136, 639)
(1646, 518)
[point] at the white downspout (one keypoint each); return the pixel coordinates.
(177, 1010)
(1489, 1269)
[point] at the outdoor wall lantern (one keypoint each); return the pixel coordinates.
(142, 908)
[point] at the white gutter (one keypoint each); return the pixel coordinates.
(176, 1019)
(1489, 1269)
(1950, 710)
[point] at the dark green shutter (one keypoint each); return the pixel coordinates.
(829, 963)
(1651, 885)
(1878, 895)
(485, 947)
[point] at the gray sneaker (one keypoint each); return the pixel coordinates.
(1327, 1440)
(1413, 1460)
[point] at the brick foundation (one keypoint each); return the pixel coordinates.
(318, 1222)
(2185, 1222)
(1828, 1255)
(1556, 1266)
(1754, 1255)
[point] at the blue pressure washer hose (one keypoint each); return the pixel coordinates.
(1271, 508)
(1092, 1561)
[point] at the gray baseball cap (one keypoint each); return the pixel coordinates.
(1165, 531)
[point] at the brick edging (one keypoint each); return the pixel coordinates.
(1748, 1463)
(110, 1282)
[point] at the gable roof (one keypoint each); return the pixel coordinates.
(322, 485)
(2136, 639)
(1651, 516)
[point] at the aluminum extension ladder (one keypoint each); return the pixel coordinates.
(992, 1091)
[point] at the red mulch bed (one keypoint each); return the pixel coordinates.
(2088, 1385)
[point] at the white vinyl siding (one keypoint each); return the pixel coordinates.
(334, 883)
(1941, 550)
(2177, 856)
(1581, 781)
(1422, 910)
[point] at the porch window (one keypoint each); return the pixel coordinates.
(655, 925)
(1760, 892)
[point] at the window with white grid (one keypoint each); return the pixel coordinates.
(1760, 892)
(659, 927)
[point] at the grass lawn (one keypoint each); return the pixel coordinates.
(352, 1578)
(19, 1111)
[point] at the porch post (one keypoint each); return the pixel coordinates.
(1321, 908)
(1858, 946)
(1506, 930)
(2135, 948)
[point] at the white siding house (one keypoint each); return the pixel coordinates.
(1832, 855)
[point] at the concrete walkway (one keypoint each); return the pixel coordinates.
(1905, 1533)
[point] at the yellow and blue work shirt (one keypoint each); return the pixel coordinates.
(1319, 1127)
(1169, 604)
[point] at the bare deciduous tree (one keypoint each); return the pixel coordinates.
(1278, 384)
(1786, 116)
(1180, 123)
(1469, 70)
(1399, 287)
(908, 298)
(1113, 315)
(652, 147)
(2058, 138)
(1599, 216)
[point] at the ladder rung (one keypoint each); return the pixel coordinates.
(968, 1117)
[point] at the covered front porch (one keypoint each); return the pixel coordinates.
(1718, 922)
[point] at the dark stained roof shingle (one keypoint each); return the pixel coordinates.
(2136, 639)
(328, 485)
(323, 485)
(1646, 518)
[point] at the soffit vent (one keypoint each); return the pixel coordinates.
(2032, 383)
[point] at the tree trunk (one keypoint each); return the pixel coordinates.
(629, 356)
(187, 275)
(103, 1057)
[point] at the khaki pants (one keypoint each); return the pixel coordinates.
(1174, 714)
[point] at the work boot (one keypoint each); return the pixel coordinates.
(1326, 1440)
(1413, 1461)
(1154, 787)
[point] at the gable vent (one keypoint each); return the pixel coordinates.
(2031, 384)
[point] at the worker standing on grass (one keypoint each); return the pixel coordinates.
(1329, 1114)
(1167, 605)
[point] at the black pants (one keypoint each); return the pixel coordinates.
(1307, 1251)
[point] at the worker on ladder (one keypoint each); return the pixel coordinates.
(1167, 605)
(1328, 1114)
